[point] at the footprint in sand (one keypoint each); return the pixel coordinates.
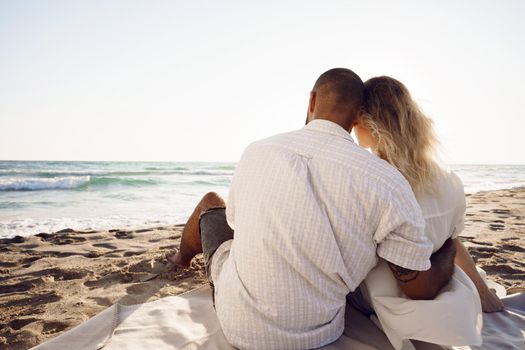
(487, 249)
(61, 274)
(520, 263)
(137, 288)
(109, 279)
(502, 269)
(123, 235)
(481, 243)
(51, 327)
(134, 252)
(18, 287)
(496, 227)
(516, 276)
(57, 254)
(114, 254)
(21, 322)
(33, 311)
(482, 252)
(105, 245)
(467, 237)
(33, 300)
(61, 238)
(104, 281)
(8, 264)
(148, 266)
(102, 301)
(504, 213)
(142, 230)
(15, 239)
(513, 248)
(28, 261)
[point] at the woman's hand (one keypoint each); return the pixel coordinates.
(490, 302)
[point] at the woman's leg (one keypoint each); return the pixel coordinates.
(190, 243)
(490, 302)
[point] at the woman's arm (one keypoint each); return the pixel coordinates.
(489, 300)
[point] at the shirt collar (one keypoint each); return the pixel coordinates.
(329, 127)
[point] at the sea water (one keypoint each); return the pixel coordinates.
(50, 196)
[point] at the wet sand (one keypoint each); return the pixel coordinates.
(50, 283)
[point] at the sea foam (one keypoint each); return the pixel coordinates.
(31, 184)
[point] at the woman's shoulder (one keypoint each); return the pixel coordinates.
(448, 180)
(447, 192)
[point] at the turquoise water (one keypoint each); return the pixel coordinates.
(50, 196)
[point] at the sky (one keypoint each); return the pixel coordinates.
(200, 80)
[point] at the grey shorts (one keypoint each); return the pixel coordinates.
(358, 300)
(214, 231)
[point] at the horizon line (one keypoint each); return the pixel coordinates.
(200, 161)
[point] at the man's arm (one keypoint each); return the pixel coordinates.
(427, 284)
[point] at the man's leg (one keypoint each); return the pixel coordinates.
(190, 243)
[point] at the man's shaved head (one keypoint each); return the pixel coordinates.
(338, 96)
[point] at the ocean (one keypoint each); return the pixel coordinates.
(48, 196)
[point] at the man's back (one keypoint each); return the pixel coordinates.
(309, 209)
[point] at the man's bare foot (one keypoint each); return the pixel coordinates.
(190, 243)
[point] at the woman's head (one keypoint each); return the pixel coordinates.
(394, 127)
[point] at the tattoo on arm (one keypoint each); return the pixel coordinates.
(403, 275)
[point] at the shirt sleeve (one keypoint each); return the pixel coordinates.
(400, 235)
(230, 205)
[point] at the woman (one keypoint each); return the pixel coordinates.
(396, 130)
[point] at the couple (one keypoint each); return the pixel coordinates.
(310, 214)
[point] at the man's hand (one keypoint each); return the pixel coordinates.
(427, 284)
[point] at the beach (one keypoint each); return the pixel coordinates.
(51, 282)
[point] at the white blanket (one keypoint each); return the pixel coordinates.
(188, 321)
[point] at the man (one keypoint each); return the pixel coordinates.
(312, 212)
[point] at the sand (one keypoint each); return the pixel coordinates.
(50, 283)
(495, 234)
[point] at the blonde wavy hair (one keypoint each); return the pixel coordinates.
(404, 134)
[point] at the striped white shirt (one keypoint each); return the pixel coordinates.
(311, 212)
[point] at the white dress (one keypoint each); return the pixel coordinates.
(454, 317)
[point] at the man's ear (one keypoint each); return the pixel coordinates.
(311, 102)
(359, 119)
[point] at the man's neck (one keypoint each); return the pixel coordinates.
(341, 121)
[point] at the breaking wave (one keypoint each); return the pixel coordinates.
(33, 184)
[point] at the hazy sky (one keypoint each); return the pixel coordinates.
(200, 80)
